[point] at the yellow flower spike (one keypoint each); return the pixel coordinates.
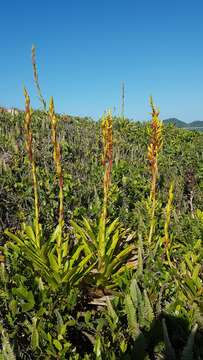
(154, 149)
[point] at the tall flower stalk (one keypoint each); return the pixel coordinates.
(107, 162)
(154, 149)
(107, 156)
(59, 174)
(28, 145)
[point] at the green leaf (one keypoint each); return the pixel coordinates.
(89, 246)
(131, 316)
(140, 257)
(14, 237)
(133, 292)
(196, 271)
(123, 346)
(148, 311)
(13, 306)
(75, 273)
(55, 234)
(89, 229)
(101, 237)
(191, 286)
(78, 273)
(57, 344)
(118, 259)
(25, 295)
(98, 348)
(53, 262)
(189, 263)
(113, 242)
(30, 233)
(35, 334)
(111, 311)
(75, 256)
(65, 248)
(112, 227)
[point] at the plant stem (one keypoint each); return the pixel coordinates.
(107, 162)
(28, 145)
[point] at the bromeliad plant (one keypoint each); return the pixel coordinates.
(107, 243)
(49, 257)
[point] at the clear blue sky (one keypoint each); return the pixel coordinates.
(86, 48)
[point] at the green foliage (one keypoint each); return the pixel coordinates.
(44, 261)
(112, 295)
(110, 263)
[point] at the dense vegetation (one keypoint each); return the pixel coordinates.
(101, 238)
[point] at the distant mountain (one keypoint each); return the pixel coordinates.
(197, 123)
(176, 122)
(194, 125)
